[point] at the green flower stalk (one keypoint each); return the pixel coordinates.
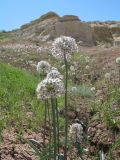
(51, 88)
(49, 120)
(43, 67)
(54, 128)
(57, 121)
(66, 107)
(45, 106)
(63, 48)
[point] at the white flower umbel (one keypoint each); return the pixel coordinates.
(43, 67)
(72, 68)
(54, 73)
(50, 87)
(118, 60)
(87, 59)
(107, 76)
(76, 132)
(87, 67)
(64, 46)
(93, 89)
(74, 89)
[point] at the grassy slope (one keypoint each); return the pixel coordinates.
(4, 36)
(17, 96)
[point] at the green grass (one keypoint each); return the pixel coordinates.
(4, 36)
(17, 98)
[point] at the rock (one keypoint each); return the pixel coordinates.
(102, 35)
(69, 18)
(52, 26)
(76, 29)
(48, 16)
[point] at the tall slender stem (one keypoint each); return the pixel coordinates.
(66, 107)
(54, 128)
(45, 122)
(49, 120)
(57, 115)
(119, 74)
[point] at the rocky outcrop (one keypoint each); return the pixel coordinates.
(49, 15)
(51, 25)
(107, 32)
(69, 18)
(115, 30)
(102, 35)
(76, 29)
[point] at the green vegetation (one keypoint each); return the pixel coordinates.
(17, 97)
(4, 36)
(20, 108)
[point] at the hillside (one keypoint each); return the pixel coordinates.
(51, 25)
(93, 97)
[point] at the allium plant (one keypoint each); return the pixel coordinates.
(76, 133)
(76, 136)
(51, 88)
(63, 48)
(107, 77)
(43, 67)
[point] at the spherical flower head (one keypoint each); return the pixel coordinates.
(87, 59)
(54, 73)
(76, 132)
(92, 89)
(64, 47)
(72, 68)
(43, 67)
(118, 60)
(87, 67)
(74, 89)
(107, 76)
(50, 87)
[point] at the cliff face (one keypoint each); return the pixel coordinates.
(51, 25)
(108, 31)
